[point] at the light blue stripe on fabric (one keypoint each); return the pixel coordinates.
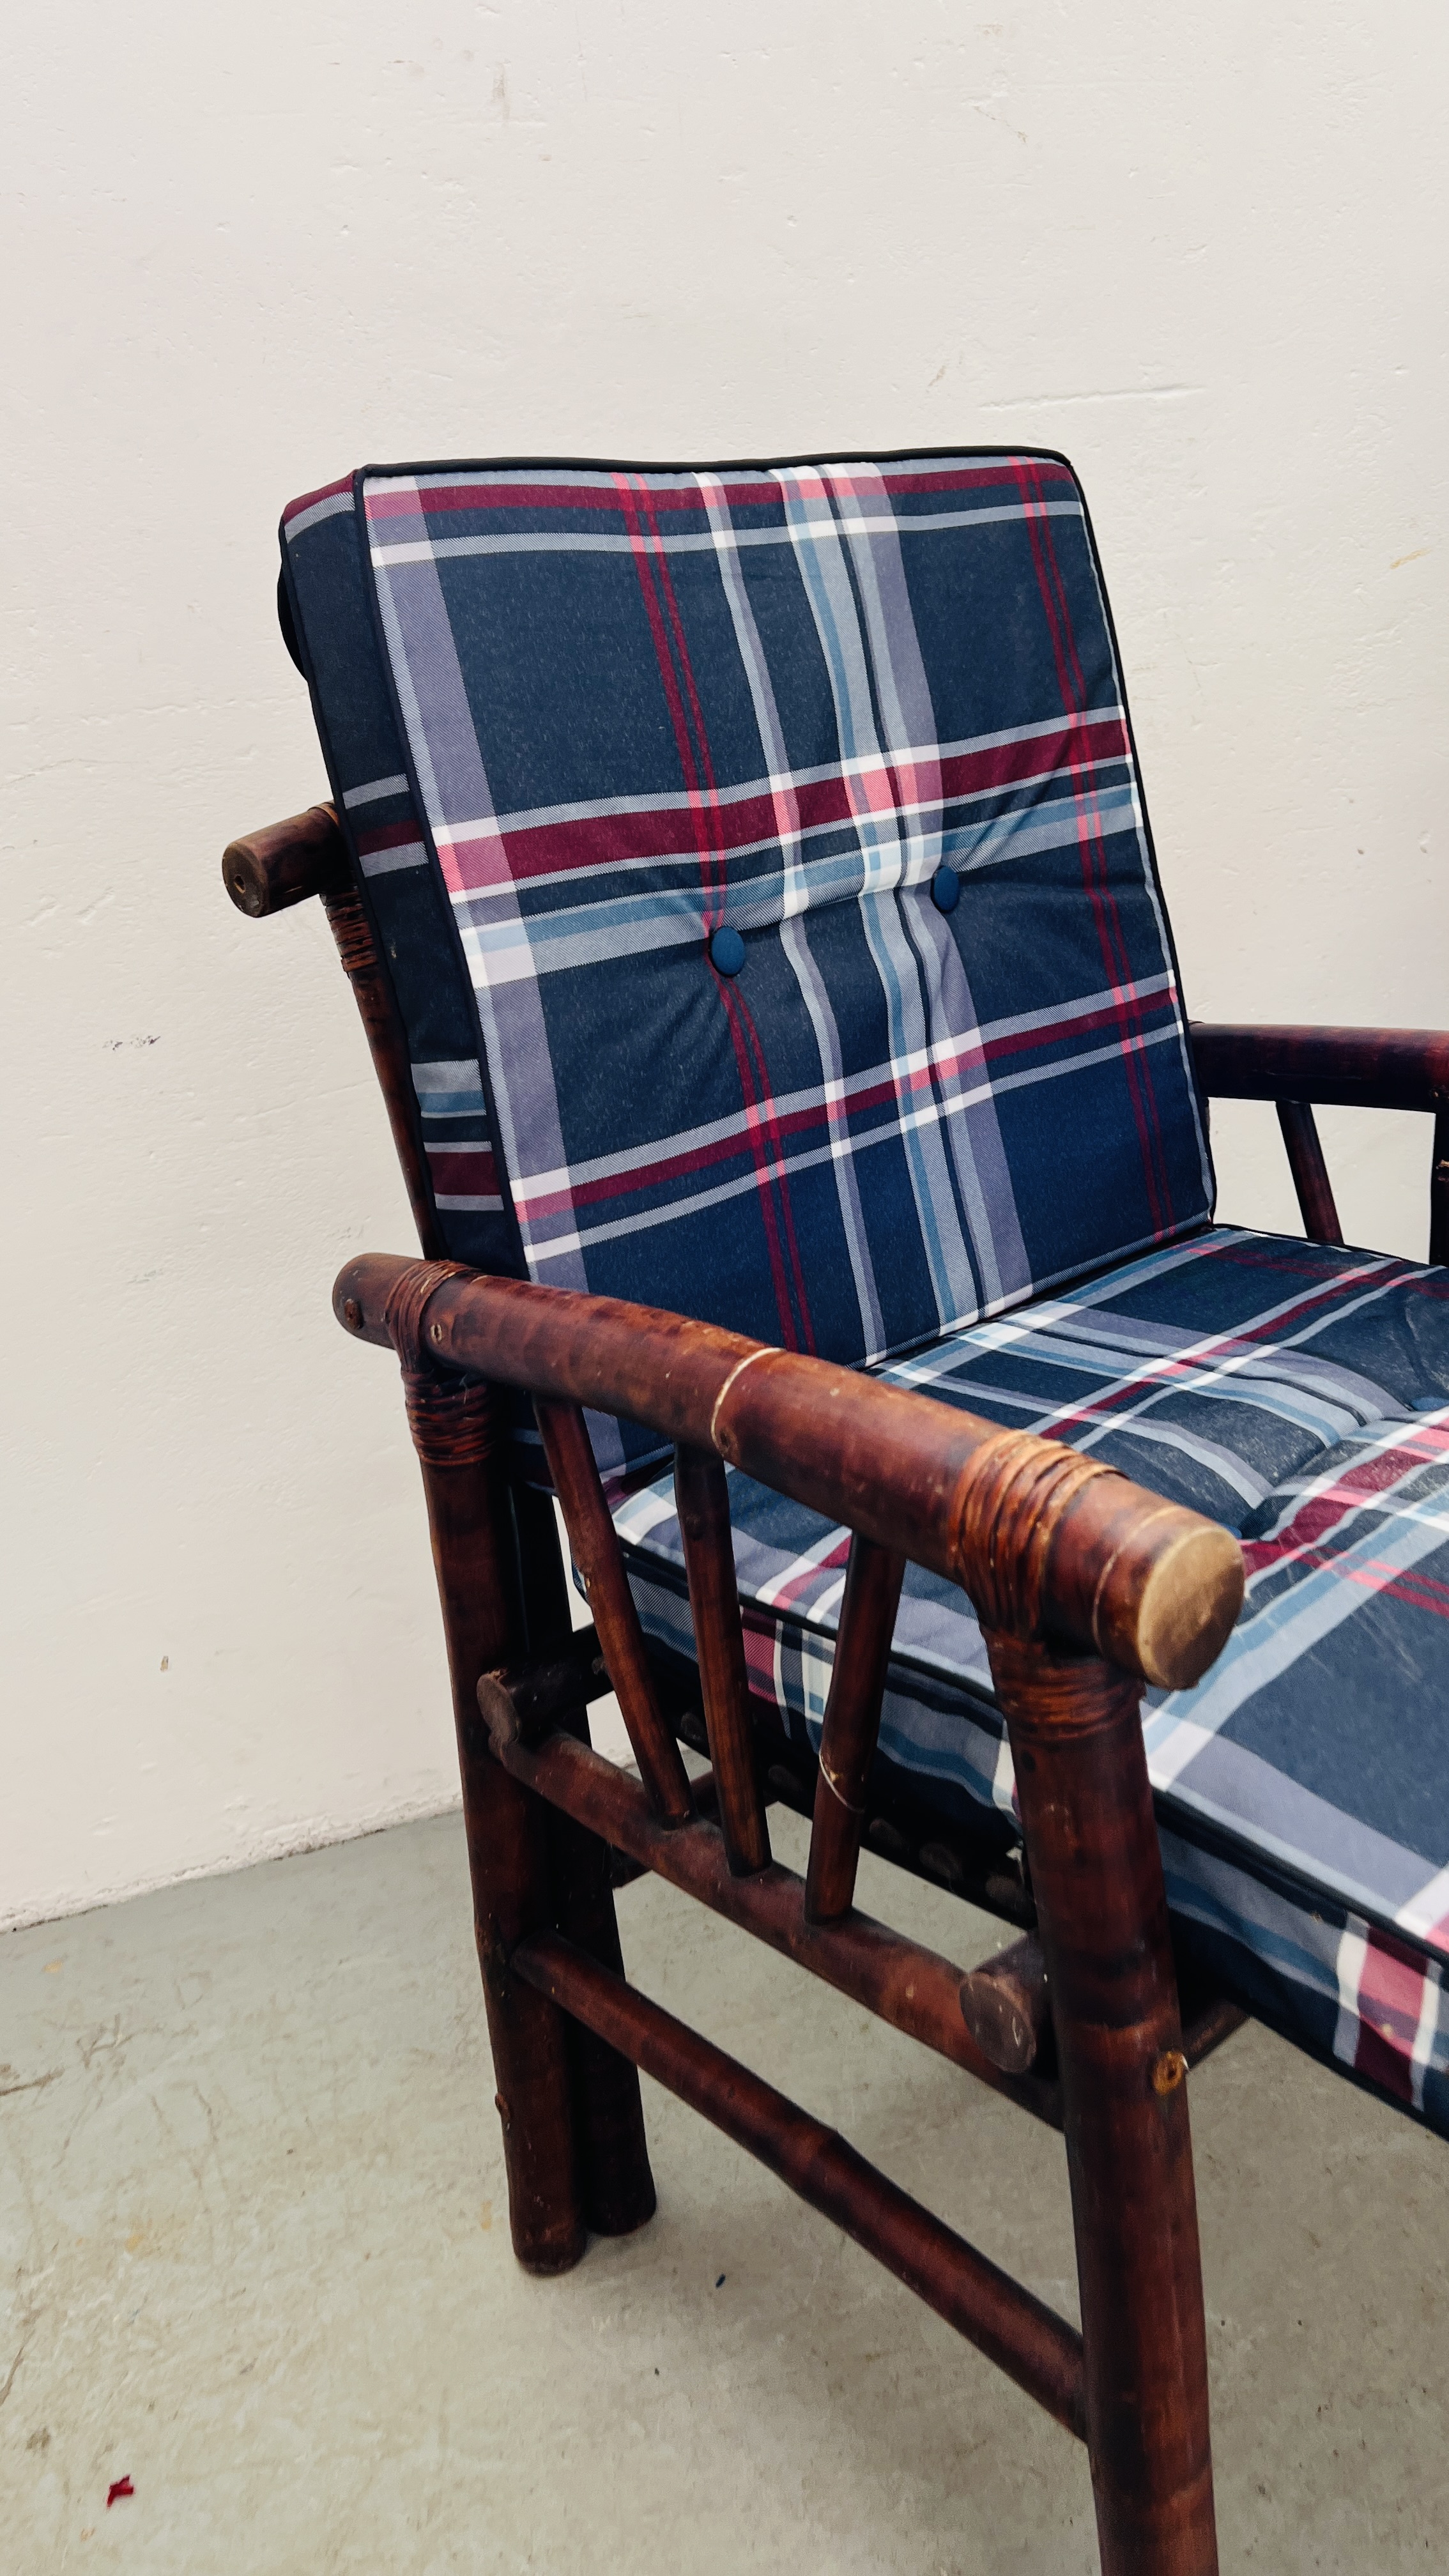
(331, 508)
(373, 791)
(1286, 1945)
(811, 522)
(606, 925)
(449, 1088)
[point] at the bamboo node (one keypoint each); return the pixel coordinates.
(836, 1791)
(352, 931)
(1013, 1494)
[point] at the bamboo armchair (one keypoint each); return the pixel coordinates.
(1088, 1588)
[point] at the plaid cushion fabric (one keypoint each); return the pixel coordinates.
(332, 628)
(788, 831)
(1303, 1787)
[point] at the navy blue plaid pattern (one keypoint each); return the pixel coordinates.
(867, 719)
(1303, 1787)
(760, 862)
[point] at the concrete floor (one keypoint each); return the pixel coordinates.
(255, 2255)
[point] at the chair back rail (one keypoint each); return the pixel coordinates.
(1342, 1068)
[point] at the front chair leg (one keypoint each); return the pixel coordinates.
(459, 1440)
(1096, 1869)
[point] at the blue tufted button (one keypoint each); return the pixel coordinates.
(726, 951)
(945, 889)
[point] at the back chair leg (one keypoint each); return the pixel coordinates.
(1086, 1809)
(614, 2153)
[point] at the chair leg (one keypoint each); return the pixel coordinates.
(456, 1437)
(1086, 1808)
(618, 2184)
(613, 2148)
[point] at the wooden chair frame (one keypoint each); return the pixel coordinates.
(1086, 1586)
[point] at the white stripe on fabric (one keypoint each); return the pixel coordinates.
(814, 991)
(448, 1074)
(1427, 1914)
(887, 1078)
(1217, 1355)
(820, 549)
(1003, 1778)
(375, 788)
(784, 781)
(779, 1167)
(331, 508)
(1122, 1361)
(646, 541)
(611, 924)
(1427, 2031)
(1349, 1965)
(388, 863)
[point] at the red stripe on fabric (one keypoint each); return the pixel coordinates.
(1389, 2001)
(1383, 2063)
(837, 1116)
(777, 1179)
(658, 595)
(305, 500)
(1362, 1485)
(602, 840)
(1174, 1371)
(978, 478)
(1416, 1590)
(749, 1055)
(492, 493)
(760, 1659)
(784, 1597)
(387, 836)
(470, 1170)
(446, 497)
(695, 706)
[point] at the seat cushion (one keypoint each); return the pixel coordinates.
(778, 837)
(1300, 1394)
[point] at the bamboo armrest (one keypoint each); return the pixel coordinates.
(1348, 1068)
(1046, 1542)
(284, 863)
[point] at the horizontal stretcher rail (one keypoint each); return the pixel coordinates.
(912, 1988)
(1026, 2339)
(1044, 1540)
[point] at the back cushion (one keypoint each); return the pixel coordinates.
(864, 717)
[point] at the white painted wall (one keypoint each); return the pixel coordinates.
(1204, 252)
